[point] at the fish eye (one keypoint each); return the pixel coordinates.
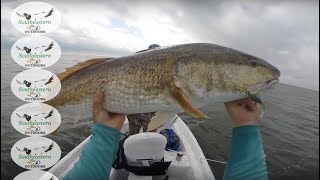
(253, 63)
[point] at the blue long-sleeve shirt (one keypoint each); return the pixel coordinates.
(97, 156)
(246, 158)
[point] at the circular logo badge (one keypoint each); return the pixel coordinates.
(35, 18)
(35, 153)
(35, 119)
(35, 175)
(35, 52)
(35, 85)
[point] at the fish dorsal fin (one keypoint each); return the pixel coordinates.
(82, 65)
(179, 97)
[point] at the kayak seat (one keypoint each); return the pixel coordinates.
(144, 147)
(145, 152)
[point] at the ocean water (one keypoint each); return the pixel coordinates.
(289, 128)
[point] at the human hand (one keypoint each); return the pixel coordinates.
(244, 112)
(100, 115)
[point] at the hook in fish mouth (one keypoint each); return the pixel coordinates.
(252, 91)
(254, 97)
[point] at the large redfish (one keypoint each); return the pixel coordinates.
(168, 79)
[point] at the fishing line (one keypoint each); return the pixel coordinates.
(174, 121)
(211, 160)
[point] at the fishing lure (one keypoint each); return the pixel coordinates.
(255, 98)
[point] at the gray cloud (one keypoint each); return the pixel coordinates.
(285, 33)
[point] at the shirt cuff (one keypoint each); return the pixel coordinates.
(247, 129)
(104, 127)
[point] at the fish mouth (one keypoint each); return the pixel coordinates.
(262, 86)
(253, 91)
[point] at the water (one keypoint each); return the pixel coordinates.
(290, 127)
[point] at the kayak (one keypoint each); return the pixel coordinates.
(187, 162)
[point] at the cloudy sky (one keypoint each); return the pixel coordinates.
(285, 33)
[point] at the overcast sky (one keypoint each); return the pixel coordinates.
(285, 33)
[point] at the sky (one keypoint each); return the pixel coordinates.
(284, 33)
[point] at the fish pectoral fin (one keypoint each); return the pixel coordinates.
(179, 97)
(159, 120)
